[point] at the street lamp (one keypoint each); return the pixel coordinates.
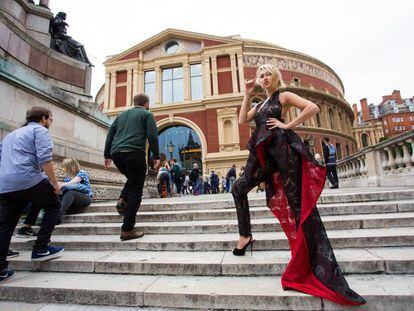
(171, 149)
(311, 141)
(182, 153)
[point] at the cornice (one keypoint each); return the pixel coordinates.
(169, 32)
(286, 52)
(226, 156)
(323, 131)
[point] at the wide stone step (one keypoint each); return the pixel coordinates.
(382, 292)
(355, 238)
(201, 213)
(46, 306)
(352, 261)
(256, 200)
(360, 221)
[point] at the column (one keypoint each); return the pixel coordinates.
(135, 82)
(214, 72)
(206, 77)
(140, 79)
(234, 72)
(186, 81)
(129, 87)
(107, 90)
(241, 71)
(112, 91)
(158, 89)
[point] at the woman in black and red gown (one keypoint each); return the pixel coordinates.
(294, 180)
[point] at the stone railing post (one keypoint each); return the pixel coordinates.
(406, 160)
(373, 168)
(398, 157)
(384, 160)
(391, 160)
(411, 142)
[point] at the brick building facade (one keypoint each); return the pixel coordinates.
(392, 116)
(197, 81)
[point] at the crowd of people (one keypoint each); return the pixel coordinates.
(174, 180)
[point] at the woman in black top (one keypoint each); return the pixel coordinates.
(294, 180)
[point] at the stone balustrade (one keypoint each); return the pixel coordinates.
(389, 163)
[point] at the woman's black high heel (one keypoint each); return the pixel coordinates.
(241, 252)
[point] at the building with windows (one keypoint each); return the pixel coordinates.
(389, 118)
(196, 85)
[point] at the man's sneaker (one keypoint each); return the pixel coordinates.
(130, 235)
(47, 253)
(6, 275)
(26, 232)
(12, 254)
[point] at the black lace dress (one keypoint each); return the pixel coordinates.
(294, 182)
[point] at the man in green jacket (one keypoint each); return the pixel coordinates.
(125, 145)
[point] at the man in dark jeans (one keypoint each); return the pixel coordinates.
(329, 154)
(125, 145)
(233, 176)
(27, 175)
(176, 169)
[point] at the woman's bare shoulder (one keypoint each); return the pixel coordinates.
(284, 97)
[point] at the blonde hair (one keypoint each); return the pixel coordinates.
(71, 166)
(274, 72)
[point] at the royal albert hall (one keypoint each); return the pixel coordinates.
(196, 85)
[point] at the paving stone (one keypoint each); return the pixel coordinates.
(230, 225)
(397, 260)
(382, 292)
(264, 293)
(208, 263)
(224, 241)
(185, 259)
(77, 288)
(169, 263)
(69, 262)
(219, 214)
(20, 306)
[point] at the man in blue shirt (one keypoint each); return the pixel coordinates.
(27, 175)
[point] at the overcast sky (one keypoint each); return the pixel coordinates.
(368, 43)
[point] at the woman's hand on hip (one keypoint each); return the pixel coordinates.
(273, 123)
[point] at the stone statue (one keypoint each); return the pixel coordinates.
(63, 43)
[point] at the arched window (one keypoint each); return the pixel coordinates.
(318, 118)
(182, 143)
(228, 137)
(331, 119)
(338, 151)
(364, 140)
(341, 122)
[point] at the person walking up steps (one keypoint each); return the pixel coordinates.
(125, 145)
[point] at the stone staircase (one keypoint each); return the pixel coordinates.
(184, 260)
